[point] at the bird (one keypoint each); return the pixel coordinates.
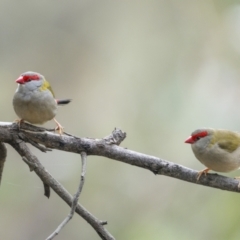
(34, 100)
(217, 149)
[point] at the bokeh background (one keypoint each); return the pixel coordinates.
(158, 70)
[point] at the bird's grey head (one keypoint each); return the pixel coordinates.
(29, 81)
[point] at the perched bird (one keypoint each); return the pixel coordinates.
(34, 100)
(217, 149)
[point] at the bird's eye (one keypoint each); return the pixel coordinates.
(196, 138)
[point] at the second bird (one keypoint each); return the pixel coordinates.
(217, 149)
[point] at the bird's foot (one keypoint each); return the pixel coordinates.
(19, 121)
(59, 127)
(204, 171)
(238, 178)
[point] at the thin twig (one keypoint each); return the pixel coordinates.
(75, 198)
(34, 143)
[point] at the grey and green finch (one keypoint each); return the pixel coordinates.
(217, 149)
(34, 100)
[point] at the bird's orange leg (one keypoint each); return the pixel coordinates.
(59, 127)
(204, 171)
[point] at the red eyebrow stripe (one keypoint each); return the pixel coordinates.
(26, 78)
(200, 135)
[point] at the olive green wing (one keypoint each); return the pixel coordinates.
(229, 146)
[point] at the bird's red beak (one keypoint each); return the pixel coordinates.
(189, 140)
(20, 80)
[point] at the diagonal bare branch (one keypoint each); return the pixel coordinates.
(99, 147)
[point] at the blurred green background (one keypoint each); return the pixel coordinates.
(156, 69)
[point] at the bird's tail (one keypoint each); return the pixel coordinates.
(63, 102)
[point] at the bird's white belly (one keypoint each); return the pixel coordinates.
(219, 160)
(35, 107)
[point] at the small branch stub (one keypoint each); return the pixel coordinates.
(3, 155)
(116, 137)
